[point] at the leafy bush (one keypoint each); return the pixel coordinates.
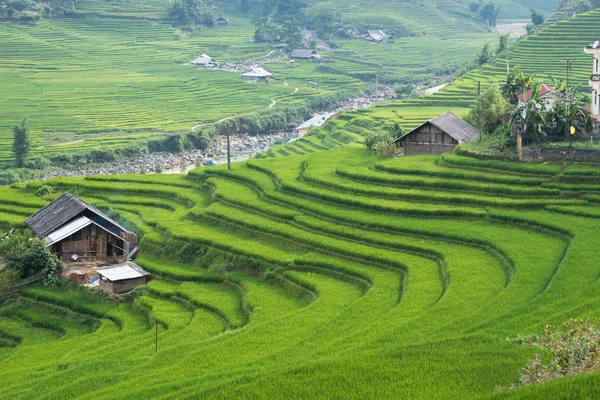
(574, 351)
(28, 255)
(381, 143)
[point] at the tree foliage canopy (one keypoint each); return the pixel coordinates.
(21, 143)
(490, 13)
(191, 13)
(28, 255)
(490, 111)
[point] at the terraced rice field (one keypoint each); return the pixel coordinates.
(335, 274)
(543, 54)
(80, 80)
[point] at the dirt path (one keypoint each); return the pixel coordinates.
(295, 91)
(212, 123)
(62, 144)
(273, 103)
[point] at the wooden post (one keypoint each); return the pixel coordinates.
(520, 146)
(228, 152)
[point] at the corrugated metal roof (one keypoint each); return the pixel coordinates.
(203, 59)
(258, 72)
(120, 272)
(376, 34)
(62, 210)
(318, 120)
(452, 125)
(67, 230)
(304, 53)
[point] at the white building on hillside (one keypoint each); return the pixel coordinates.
(594, 49)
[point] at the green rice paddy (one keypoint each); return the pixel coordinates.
(336, 274)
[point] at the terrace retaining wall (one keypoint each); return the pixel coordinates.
(537, 154)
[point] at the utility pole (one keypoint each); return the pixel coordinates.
(567, 99)
(228, 150)
(478, 88)
(156, 328)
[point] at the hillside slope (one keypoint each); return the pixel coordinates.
(544, 54)
(90, 83)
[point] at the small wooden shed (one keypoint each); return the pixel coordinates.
(121, 278)
(438, 135)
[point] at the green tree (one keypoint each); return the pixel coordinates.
(322, 18)
(291, 34)
(529, 116)
(490, 110)
(21, 143)
(28, 255)
(191, 12)
(502, 44)
(516, 83)
(537, 18)
(490, 13)
(566, 109)
(486, 56)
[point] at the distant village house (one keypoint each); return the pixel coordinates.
(204, 61)
(438, 135)
(306, 54)
(74, 229)
(545, 91)
(222, 21)
(257, 74)
(314, 122)
(375, 35)
(594, 50)
(227, 67)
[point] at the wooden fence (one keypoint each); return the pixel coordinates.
(15, 289)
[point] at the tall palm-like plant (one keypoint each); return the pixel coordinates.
(568, 109)
(528, 117)
(516, 83)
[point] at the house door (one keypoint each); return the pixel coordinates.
(57, 249)
(109, 249)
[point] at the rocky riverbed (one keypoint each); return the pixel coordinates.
(243, 146)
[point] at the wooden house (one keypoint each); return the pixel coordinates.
(121, 278)
(222, 21)
(315, 122)
(306, 54)
(375, 35)
(204, 61)
(74, 229)
(257, 74)
(546, 92)
(438, 135)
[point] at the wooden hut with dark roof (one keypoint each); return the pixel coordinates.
(75, 229)
(438, 135)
